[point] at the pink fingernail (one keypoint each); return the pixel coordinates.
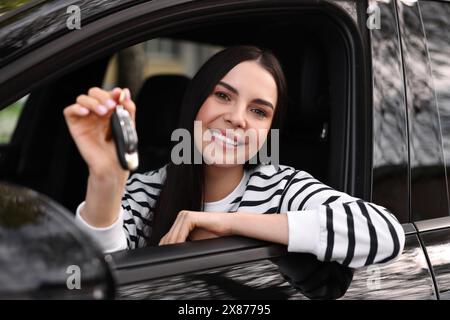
(102, 109)
(127, 94)
(110, 103)
(84, 111)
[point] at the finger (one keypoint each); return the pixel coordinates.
(92, 104)
(184, 228)
(169, 236)
(128, 104)
(75, 110)
(103, 96)
(115, 93)
(162, 241)
(183, 233)
(176, 227)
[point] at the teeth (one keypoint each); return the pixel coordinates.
(223, 138)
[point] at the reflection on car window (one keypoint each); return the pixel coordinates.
(390, 150)
(8, 119)
(437, 29)
(429, 196)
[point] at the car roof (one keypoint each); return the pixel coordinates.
(38, 22)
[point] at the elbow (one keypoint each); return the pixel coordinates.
(401, 239)
(398, 241)
(394, 245)
(389, 248)
(391, 236)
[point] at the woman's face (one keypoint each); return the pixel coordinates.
(236, 117)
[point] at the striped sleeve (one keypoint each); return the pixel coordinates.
(337, 227)
(141, 192)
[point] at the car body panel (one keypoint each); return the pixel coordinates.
(437, 244)
(407, 277)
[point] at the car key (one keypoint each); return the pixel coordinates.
(125, 136)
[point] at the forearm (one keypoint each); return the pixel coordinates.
(103, 200)
(266, 227)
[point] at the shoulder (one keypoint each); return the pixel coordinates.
(276, 172)
(274, 179)
(154, 178)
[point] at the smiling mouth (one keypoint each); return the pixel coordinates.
(217, 134)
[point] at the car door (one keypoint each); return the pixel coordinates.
(426, 41)
(408, 277)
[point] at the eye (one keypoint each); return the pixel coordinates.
(260, 113)
(222, 96)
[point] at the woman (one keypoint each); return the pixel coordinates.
(239, 90)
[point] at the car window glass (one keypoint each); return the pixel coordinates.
(429, 197)
(390, 150)
(9, 117)
(435, 18)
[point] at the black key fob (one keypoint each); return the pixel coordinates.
(125, 137)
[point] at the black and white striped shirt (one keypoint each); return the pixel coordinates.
(327, 223)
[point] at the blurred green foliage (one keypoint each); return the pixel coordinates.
(7, 5)
(18, 208)
(8, 120)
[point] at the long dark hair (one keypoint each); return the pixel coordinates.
(183, 188)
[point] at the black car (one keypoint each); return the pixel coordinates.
(369, 97)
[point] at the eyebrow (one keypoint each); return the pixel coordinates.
(234, 90)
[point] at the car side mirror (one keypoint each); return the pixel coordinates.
(43, 254)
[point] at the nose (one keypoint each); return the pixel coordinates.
(236, 117)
